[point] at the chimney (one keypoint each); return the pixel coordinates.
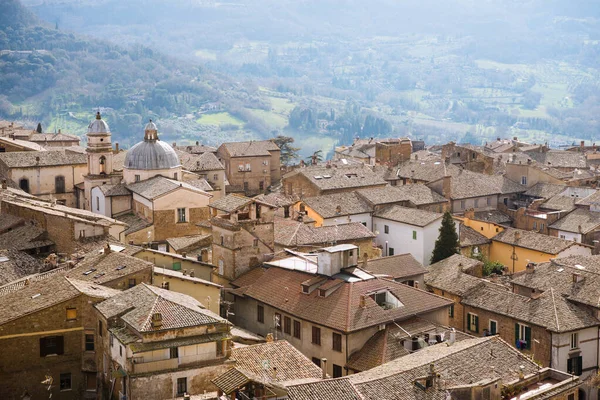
(4, 185)
(324, 367)
(184, 272)
(116, 147)
(363, 301)
(156, 320)
(447, 187)
(59, 131)
(338, 209)
(515, 138)
(197, 143)
(452, 338)
(530, 268)
(107, 249)
(269, 338)
(579, 229)
(577, 277)
(192, 273)
(183, 254)
(582, 144)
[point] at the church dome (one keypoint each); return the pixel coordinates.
(151, 153)
(98, 125)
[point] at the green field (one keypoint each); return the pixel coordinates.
(218, 119)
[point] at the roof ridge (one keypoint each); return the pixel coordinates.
(555, 310)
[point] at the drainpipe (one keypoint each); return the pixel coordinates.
(346, 366)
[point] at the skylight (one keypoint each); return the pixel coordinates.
(86, 273)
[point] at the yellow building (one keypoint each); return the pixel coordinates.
(207, 293)
(515, 248)
(486, 228)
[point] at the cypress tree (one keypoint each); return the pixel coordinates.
(39, 128)
(447, 242)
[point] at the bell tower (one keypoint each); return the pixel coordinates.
(99, 147)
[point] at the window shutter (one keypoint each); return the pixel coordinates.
(528, 336)
(570, 365)
(516, 334)
(468, 322)
(476, 323)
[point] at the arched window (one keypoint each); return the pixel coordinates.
(59, 184)
(24, 184)
(102, 165)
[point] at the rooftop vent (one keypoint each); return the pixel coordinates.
(120, 267)
(35, 296)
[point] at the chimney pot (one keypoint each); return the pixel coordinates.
(324, 367)
(117, 147)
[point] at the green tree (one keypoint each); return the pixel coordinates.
(316, 157)
(39, 128)
(447, 242)
(288, 152)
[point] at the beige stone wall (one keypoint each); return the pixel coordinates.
(260, 171)
(21, 367)
(143, 210)
(122, 283)
(119, 204)
(208, 295)
(457, 321)
(129, 174)
(166, 225)
(166, 260)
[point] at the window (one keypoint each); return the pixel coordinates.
(316, 335)
(278, 321)
(364, 223)
(574, 340)
(574, 365)
(181, 215)
(131, 283)
(138, 178)
(181, 386)
(562, 236)
(476, 203)
(112, 340)
(451, 311)
(261, 185)
(97, 203)
(245, 186)
(59, 184)
(221, 267)
(215, 177)
(241, 167)
(571, 396)
(255, 243)
(90, 382)
(337, 371)
(534, 224)
(100, 328)
(286, 212)
(493, 327)
(220, 348)
(177, 266)
(174, 352)
(386, 229)
(472, 322)
(65, 381)
(488, 201)
(248, 168)
(523, 180)
(266, 162)
(522, 336)
(317, 361)
(121, 351)
(462, 204)
(287, 325)
(542, 226)
(297, 329)
(89, 342)
(24, 184)
(51, 345)
(337, 342)
(71, 314)
(260, 314)
(414, 235)
(175, 176)
(391, 251)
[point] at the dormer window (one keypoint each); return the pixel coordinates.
(305, 289)
(386, 300)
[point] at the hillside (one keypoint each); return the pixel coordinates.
(60, 78)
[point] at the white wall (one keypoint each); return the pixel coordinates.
(197, 352)
(116, 355)
(99, 202)
(588, 350)
(364, 217)
(570, 236)
(575, 250)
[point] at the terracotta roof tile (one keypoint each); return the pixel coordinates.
(533, 240)
(397, 266)
(411, 216)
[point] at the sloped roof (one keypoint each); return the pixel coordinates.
(579, 220)
(559, 158)
(559, 203)
(387, 345)
(251, 148)
(25, 237)
(327, 205)
(545, 190)
(417, 194)
(340, 310)
(558, 274)
(426, 170)
(49, 158)
(533, 240)
(470, 237)
(411, 216)
(352, 176)
(397, 266)
(276, 199)
(143, 301)
(294, 233)
(103, 268)
(469, 184)
(16, 264)
(53, 137)
(550, 310)
(199, 162)
(449, 275)
(158, 186)
(230, 203)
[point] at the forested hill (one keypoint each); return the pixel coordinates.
(45, 72)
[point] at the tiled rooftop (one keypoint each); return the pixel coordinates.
(398, 266)
(533, 240)
(27, 159)
(411, 216)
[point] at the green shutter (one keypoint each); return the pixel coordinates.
(570, 365)
(528, 336)
(468, 322)
(516, 334)
(176, 266)
(476, 323)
